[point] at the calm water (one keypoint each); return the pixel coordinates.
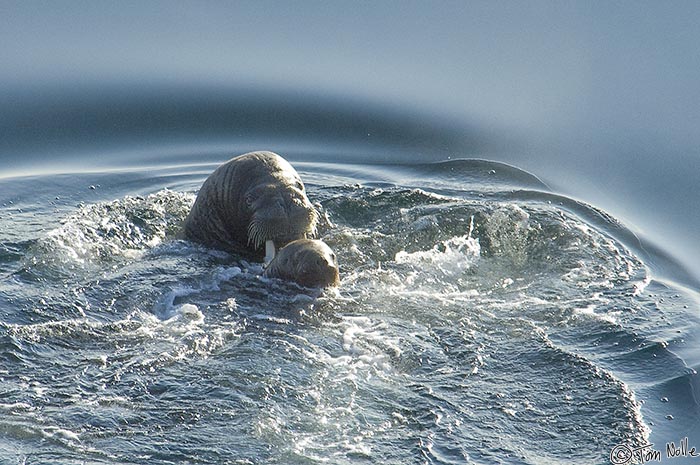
(511, 190)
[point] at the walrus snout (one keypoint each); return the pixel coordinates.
(282, 228)
(328, 274)
(323, 272)
(281, 220)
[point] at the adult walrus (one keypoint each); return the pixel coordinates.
(308, 262)
(254, 200)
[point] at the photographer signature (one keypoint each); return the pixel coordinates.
(623, 454)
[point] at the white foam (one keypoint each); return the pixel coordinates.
(38, 389)
(589, 311)
(166, 308)
(451, 257)
(126, 228)
(221, 274)
(17, 407)
(60, 433)
(458, 251)
(187, 312)
(641, 285)
(367, 345)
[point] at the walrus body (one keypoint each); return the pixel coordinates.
(251, 199)
(310, 263)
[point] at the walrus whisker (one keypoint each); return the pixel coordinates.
(252, 232)
(256, 234)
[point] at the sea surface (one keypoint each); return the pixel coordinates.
(511, 189)
(481, 318)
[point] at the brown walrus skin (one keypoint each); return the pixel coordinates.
(249, 200)
(308, 262)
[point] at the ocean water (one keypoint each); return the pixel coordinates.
(511, 190)
(481, 318)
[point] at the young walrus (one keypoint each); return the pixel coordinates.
(251, 201)
(307, 262)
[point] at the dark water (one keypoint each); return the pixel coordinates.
(510, 190)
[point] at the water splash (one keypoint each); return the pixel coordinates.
(109, 232)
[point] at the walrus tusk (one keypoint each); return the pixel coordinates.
(269, 251)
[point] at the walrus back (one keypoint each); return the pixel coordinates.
(208, 222)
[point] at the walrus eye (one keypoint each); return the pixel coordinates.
(248, 200)
(300, 186)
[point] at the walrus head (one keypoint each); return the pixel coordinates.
(310, 263)
(279, 212)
